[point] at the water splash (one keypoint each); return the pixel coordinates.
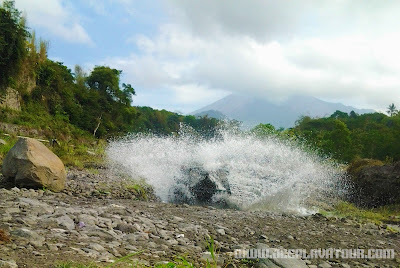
(263, 173)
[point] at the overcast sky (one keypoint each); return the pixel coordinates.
(182, 55)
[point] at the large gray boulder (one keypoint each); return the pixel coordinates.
(32, 165)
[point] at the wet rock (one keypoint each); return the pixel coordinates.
(199, 186)
(376, 185)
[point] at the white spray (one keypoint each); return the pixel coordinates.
(263, 173)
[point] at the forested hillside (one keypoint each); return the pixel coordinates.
(349, 136)
(61, 102)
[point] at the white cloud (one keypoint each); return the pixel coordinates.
(57, 18)
(342, 50)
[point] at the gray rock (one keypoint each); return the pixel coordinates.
(45, 208)
(52, 247)
(221, 231)
(138, 236)
(324, 264)
(96, 247)
(102, 234)
(8, 264)
(126, 228)
(25, 233)
(172, 242)
(31, 164)
(66, 221)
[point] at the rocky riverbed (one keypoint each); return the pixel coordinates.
(98, 218)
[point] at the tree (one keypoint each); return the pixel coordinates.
(353, 114)
(262, 130)
(339, 114)
(13, 34)
(80, 75)
(127, 92)
(391, 110)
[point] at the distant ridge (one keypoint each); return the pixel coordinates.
(252, 111)
(212, 113)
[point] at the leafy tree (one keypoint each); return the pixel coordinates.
(339, 114)
(13, 34)
(127, 92)
(346, 138)
(263, 130)
(353, 114)
(391, 110)
(80, 76)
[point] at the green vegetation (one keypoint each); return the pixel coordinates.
(347, 137)
(385, 214)
(139, 189)
(13, 34)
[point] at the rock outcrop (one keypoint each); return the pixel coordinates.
(32, 165)
(10, 99)
(376, 185)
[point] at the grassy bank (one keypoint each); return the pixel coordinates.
(382, 215)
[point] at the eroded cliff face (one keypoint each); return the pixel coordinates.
(10, 98)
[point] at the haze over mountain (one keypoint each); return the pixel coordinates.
(252, 111)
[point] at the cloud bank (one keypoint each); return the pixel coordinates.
(342, 50)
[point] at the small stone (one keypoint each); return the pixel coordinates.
(96, 247)
(126, 228)
(172, 242)
(345, 265)
(264, 237)
(66, 221)
(52, 247)
(290, 237)
(324, 264)
(178, 218)
(37, 253)
(221, 231)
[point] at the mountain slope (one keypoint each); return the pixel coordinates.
(252, 111)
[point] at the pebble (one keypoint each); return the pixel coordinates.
(324, 264)
(221, 231)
